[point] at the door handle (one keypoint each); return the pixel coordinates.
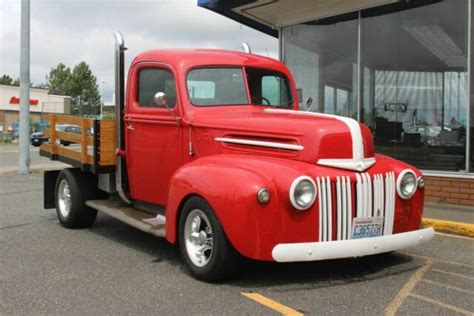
(130, 127)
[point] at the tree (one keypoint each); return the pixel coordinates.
(6, 80)
(80, 84)
(84, 89)
(59, 80)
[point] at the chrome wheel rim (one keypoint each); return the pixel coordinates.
(64, 198)
(198, 238)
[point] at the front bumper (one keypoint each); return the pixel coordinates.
(314, 251)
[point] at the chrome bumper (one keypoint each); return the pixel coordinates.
(313, 251)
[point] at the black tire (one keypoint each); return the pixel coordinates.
(82, 187)
(223, 259)
(65, 143)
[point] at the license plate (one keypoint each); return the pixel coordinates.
(364, 227)
(35, 140)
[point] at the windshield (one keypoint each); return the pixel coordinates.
(226, 86)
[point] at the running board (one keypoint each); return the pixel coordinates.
(131, 216)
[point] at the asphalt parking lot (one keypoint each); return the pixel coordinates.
(112, 268)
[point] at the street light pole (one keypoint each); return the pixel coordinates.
(102, 97)
(24, 139)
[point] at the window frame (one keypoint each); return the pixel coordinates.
(132, 105)
(137, 92)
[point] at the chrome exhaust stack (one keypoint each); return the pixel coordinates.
(120, 167)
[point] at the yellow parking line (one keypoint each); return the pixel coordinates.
(447, 306)
(453, 274)
(438, 260)
(282, 309)
(450, 287)
(407, 288)
(454, 236)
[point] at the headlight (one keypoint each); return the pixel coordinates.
(302, 193)
(406, 184)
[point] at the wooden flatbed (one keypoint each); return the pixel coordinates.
(92, 150)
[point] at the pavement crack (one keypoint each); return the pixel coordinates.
(25, 224)
(19, 192)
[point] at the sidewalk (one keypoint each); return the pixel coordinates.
(450, 219)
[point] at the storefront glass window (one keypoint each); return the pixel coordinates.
(322, 56)
(414, 92)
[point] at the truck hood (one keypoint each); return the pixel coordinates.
(316, 138)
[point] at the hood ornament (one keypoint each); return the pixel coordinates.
(350, 164)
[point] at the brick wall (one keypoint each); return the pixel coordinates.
(449, 190)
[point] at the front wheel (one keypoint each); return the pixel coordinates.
(205, 249)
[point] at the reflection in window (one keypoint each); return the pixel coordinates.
(153, 80)
(415, 83)
(322, 55)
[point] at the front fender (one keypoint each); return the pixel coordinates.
(229, 183)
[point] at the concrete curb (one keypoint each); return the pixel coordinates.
(34, 169)
(449, 227)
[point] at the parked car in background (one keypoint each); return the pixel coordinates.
(69, 129)
(38, 138)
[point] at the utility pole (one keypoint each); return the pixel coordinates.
(24, 141)
(102, 98)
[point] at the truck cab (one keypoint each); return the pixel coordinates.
(204, 95)
(213, 153)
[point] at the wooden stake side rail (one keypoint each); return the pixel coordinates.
(96, 150)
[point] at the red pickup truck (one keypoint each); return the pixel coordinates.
(211, 151)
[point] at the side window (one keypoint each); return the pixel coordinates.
(153, 80)
(271, 89)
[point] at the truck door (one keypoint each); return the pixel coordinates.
(153, 137)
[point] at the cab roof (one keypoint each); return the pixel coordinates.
(190, 58)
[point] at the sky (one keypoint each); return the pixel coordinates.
(70, 31)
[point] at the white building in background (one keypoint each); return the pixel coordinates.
(41, 103)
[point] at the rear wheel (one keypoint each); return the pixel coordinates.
(73, 189)
(205, 249)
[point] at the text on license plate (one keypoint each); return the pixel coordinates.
(363, 227)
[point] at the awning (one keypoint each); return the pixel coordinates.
(269, 15)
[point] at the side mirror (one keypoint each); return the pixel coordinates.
(309, 104)
(161, 99)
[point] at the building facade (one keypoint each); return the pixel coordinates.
(41, 103)
(403, 68)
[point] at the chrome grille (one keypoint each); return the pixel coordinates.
(374, 197)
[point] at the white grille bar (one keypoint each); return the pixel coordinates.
(325, 208)
(389, 203)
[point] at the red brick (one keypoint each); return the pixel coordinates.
(437, 182)
(432, 187)
(443, 194)
(460, 196)
(450, 189)
(460, 184)
(452, 201)
(431, 198)
(470, 191)
(462, 180)
(466, 202)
